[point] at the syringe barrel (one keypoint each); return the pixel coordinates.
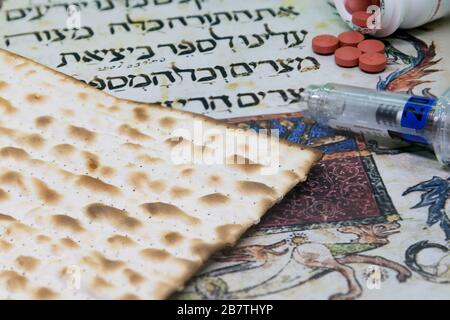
(424, 120)
(441, 141)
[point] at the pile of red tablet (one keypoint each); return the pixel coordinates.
(352, 50)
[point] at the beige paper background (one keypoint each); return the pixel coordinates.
(398, 172)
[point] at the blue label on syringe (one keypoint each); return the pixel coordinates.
(415, 116)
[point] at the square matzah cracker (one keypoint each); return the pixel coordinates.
(94, 202)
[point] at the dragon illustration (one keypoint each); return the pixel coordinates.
(438, 272)
(436, 191)
(418, 67)
(294, 261)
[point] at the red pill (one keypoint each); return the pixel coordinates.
(372, 62)
(350, 39)
(325, 44)
(376, 3)
(357, 5)
(372, 46)
(347, 57)
(360, 18)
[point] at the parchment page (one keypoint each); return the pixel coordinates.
(373, 214)
(221, 58)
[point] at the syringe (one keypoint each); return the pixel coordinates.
(416, 119)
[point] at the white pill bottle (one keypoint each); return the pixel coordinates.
(397, 14)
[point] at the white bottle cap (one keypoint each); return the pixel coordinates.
(397, 14)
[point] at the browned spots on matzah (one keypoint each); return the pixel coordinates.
(133, 133)
(37, 163)
(132, 146)
(13, 280)
(81, 133)
(228, 233)
(44, 293)
(148, 159)
(166, 210)
(3, 195)
(42, 238)
(98, 261)
(114, 109)
(157, 185)
(68, 113)
(120, 241)
(116, 217)
(138, 180)
(255, 188)
(15, 153)
(13, 178)
(162, 290)
(66, 222)
(187, 172)
(5, 245)
(35, 98)
(56, 249)
(6, 218)
(7, 132)
(291, 175)
(140, 114)
(64, 149)
(7, 106)
(129, 296)
(107, 171)
(21, 65)
(3, 84)
(214, 199)
(69, 243)
(91, 160)
(66, 175)
(65, 271)
(243, 164)
(135, 278)
(214, 180)
(167, 122)
(172, 238)
(266, 204)
(83, 96)
(43, 122)
(27, 263)
(174, 141)
(97, 185)
(155, 254)
(109, 264)
(45, 193)
(180, 192)
(100, 283)
(34, 140)
(10, 59)
(19, 229)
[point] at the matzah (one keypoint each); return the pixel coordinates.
(93, 204)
